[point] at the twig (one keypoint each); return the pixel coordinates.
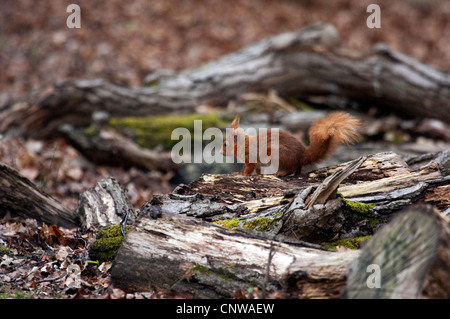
(272, 252)
(50, 279)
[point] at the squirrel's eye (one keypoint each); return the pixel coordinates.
(225, 144)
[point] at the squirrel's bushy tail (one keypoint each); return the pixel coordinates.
(326, 134)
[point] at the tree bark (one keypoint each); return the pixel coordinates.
(408, 258)
(165, 250)
(105, 204)
(19, 196)
(203, 260)
(307, 64)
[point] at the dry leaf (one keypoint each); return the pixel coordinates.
(30, 172)
(74, 172)
(56, 236)
(73, 279)
(62, 253)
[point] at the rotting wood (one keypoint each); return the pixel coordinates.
(20, 196)
(278, 205)
(103, 205)
(204, 260)
(167, 251)
(376, 166)
(408, 258)
(330, 185)
(268, 202)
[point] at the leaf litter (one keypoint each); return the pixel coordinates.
(46, 261)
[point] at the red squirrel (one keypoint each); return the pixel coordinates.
(325, 136)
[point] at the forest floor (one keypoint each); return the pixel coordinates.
(122, 42)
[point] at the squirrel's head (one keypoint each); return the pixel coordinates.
(229, 146)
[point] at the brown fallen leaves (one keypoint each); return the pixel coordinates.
(48, 262)
(45, 261)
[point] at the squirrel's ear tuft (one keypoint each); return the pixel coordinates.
(235, 123)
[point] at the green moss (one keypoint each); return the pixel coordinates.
(263, 223)
(362, 210)
(5, 251)
(152, 83)
(89, 131)
(12, 293)
(229, 223)
(358, 207)
(351, 243)
(201, 269)
(223, 273)
(111, 231)
(152, 131)
(107, 244)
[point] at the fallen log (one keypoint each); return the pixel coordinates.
(268, 203)
(307, 64)
(165, 250)
(203, 260)
(382, 184)
(408, 258)
(108, 147)
(103, 205)
(20, 197)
